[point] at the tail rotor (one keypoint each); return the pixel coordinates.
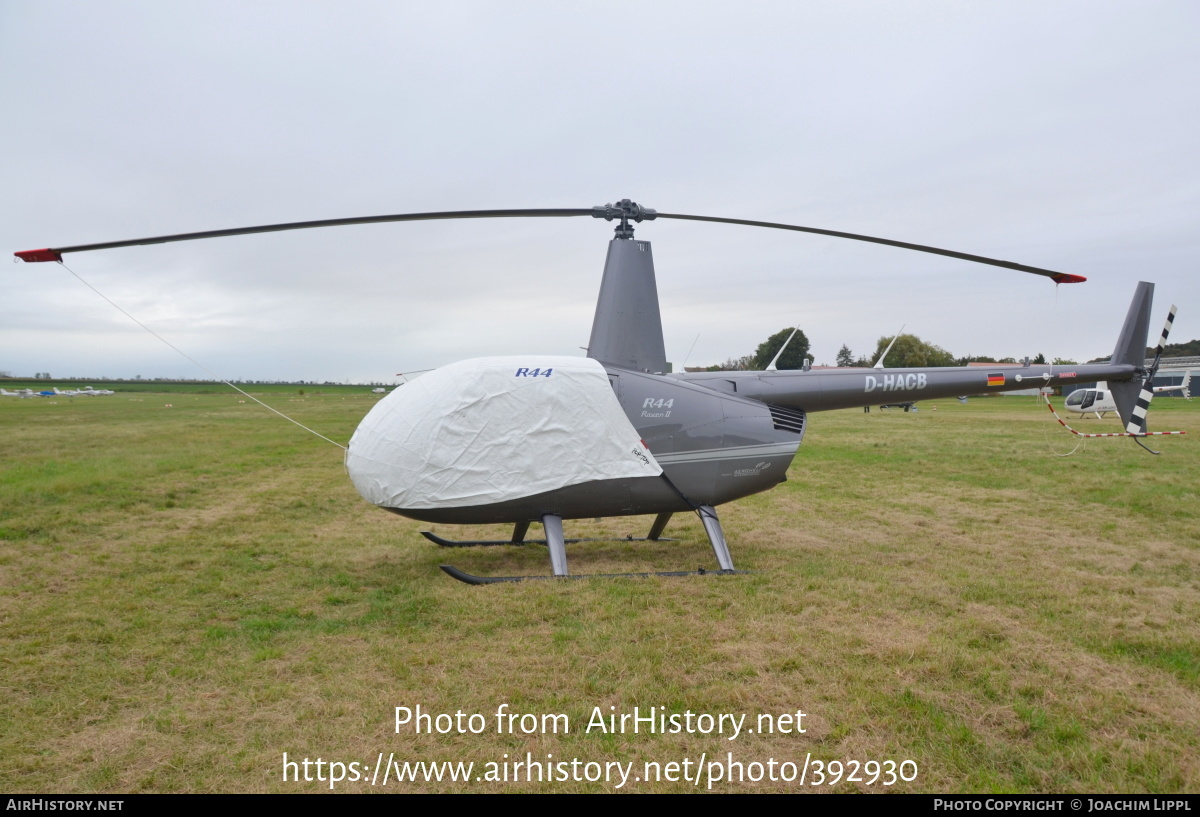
(1137, 420)
(1131, 350)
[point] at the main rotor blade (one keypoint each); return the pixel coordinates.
(623, 210)
(55, 253)
(1058, 277)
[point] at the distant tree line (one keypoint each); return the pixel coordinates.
(909, 351)
(793, 356)
(1189, 349)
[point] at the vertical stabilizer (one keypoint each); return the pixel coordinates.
(1131, 349)
(627, 330)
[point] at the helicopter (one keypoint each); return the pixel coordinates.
(1099, 401)
(518, 440)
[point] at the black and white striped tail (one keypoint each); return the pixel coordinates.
(1137, 420)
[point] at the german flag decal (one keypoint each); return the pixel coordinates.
(995, 379)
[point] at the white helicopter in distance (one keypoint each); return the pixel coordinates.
(1099, 401)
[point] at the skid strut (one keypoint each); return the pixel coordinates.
(556, 543)
(712, 526)
(519, 531)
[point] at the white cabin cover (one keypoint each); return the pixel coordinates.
(494, 429)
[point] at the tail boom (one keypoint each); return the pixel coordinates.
(829, 389)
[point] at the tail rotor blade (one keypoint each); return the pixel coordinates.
(1137, 421)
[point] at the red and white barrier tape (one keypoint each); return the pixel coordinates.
(1122, 434)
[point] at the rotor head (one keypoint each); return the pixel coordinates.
(627, 211)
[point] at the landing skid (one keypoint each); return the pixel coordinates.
(557, 545)
(485, 543)
(462, 576)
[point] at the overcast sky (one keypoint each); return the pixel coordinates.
(1055, 134)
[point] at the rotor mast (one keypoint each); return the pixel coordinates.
(627, 329)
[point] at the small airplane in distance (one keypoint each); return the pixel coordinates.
(84, 392)
(54, 392)
(908, 405)
(1099, 401)
(379, 391)
(28, 393)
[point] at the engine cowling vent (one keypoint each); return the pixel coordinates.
(787, 419)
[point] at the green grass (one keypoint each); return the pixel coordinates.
(186, 593)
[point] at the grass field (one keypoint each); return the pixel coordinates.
(187, 593)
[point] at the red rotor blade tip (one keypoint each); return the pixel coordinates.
(38, 255)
